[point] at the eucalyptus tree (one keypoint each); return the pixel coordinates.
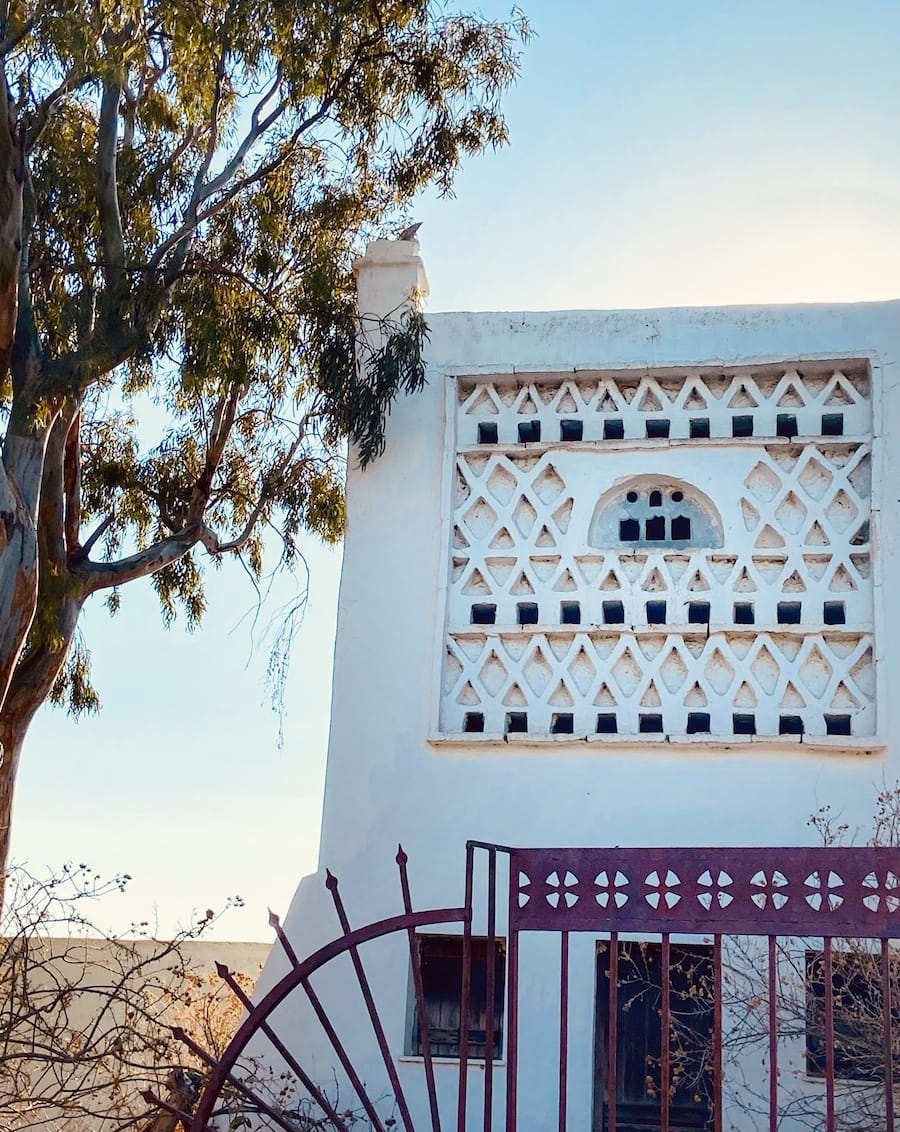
(183, 187)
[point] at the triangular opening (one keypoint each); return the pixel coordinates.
(842, 581)
(654, 582)
(792, 698)
(742, 398)
(816, 536)
(545, 538)
(522, 585)
(793, 584)
(604, 697)
(769, 538)
(649, 403)
(476, 584)
(515, 697)
(565, 583)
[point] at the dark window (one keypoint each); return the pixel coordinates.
(786, 425)
(834, 613)
(655, 499)
(790, 725)
(656, 612)
(614, 613)
(530, 432)
(837, 725)
(484, 614)
(563, 723)
(571, 430)
(527, 613)
(606, 723)
(570, 612)
(857, 1011)
(742, 426)
(650, 724)
(677, 496)
(516, 722)
(638, 1036)
(655, 527)
(658, 429)
(743, 724)
(698, 723)
(613, 429)
(473, 722)
(441, 959)
(743, 613)
(699, 428)
(632, 497)
(629, 530)
(698, 612)
(487, 432)
(789, 612)
(832, 424)
(681, 528)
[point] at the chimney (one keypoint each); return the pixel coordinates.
(390, 278)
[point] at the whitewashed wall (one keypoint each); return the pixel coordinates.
(394, 775)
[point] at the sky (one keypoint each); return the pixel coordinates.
(661, 154)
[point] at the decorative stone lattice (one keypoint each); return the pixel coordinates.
(667, 619)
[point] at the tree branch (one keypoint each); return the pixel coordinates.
(111, 238)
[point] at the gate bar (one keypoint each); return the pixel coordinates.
(563, 1027)
(887, 1019)
(829, 1033)
(664, 1071)
(465, 994)
(612, 1053)
(773, 1036)
(718, 1071)
(490, 992)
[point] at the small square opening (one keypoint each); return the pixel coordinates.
(698, 612)
(613, 429)
(790, 725)
(698, 723)
(834, 613)
(699, 428)
(529, 432)
(650, 724)
(832, 424)
(484, 614)
(527, 613)
(570, 612)
(789, 612)
(487, 432)
(563, 723)
(614, 613)
(657, 429)
(516, 722)
(743, 613)
(743, 723)
(473, 722)
(655, 499)
(786, 425)
(606, 723)
(571, 430)
(837, 725)
(742, 425)
(656, 612)
(629, 530)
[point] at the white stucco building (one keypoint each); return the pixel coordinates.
(621, 578)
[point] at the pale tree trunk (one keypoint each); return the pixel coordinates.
(31, 685)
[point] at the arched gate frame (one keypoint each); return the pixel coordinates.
(824, 893)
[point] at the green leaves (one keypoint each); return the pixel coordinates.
(187, 262)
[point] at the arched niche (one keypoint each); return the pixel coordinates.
(655, 511)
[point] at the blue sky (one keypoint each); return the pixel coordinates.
(662, 155)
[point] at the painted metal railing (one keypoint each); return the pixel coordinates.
(767, 894)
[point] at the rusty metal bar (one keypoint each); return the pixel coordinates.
(421, 1014)
(829, 1034)
(718, 1068)
(665, 1026)
(512, 1037)
(773, 1036)
(490, 992)
(888, 1038)
(612, 1052)
(563, 1027)
(331, 884)
(465, 994)
(280, 1118)
(336, 1044)
(317, 1095)
(275, 922)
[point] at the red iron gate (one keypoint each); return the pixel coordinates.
(714, 894)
